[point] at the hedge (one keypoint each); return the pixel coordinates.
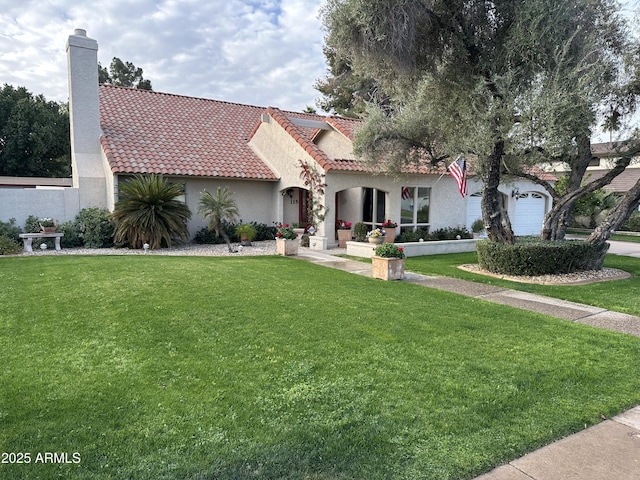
(538, 257)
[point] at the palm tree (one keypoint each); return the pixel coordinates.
(149, 212)
(219, 207)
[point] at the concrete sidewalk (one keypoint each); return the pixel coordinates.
(607, 451)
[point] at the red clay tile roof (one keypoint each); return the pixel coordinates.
(151, 132)
(346, 126)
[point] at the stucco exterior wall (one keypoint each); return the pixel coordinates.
(334, 144)
(255, 199)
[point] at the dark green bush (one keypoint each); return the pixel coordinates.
(360, 232)
(449, 233)
(8, 246)
(632, 224)
(95, 227)
(264, 231)
(206, 236)
(413, 236)
(10, 229)
(71, 238)
(530, 256)
(32, 224)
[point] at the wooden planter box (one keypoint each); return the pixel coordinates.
(387, 268)
(287, 247)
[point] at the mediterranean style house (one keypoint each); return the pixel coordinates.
(117, 132)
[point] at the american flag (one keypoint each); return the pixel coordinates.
(458, 170)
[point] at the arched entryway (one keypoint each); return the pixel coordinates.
(294, 206)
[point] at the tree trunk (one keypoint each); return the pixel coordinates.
(557, 220)
(219, 229)
(496, 221)
(617, 217)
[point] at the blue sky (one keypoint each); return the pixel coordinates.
(265, 53)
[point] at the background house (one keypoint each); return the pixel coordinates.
(117, 132)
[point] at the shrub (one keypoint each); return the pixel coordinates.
(449, 233)
(632, 224)
(32, 224)
(10, 229)
(264, 231)
(94, 227)
(360, 232)
(71, 237)
(531, 256)
(413, 236)
(248, 230)
(209, 237)
(8, 246)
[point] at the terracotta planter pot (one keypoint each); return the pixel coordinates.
(287, 247)
(344, 236)
(387, 268)
(48, 229)
(390, 237)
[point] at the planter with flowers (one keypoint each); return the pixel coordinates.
(390, 228)
(47, 225)
(344, 233)
(376, 236)
(286, 240)
(388, 262)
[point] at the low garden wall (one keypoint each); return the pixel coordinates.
(416, 249)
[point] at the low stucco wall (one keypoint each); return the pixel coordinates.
(416, 249)
(61, 204)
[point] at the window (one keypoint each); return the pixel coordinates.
(414, 208)
(373, 206)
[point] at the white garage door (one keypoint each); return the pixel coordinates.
(529, 214)
(474, 211)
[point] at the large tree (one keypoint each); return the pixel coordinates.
(123, 74)
(34, 135)
(469, 78)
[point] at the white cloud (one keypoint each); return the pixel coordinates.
(246, 51)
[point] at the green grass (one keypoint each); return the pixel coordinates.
(236, 368)
(617, 295)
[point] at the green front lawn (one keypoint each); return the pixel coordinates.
(619, 295)
(235, 368)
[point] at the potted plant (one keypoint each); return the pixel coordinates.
(247, 233)
(47, 225)
(360, 231)
(286, 243)
(390, 228)
(477, 227)
(344, 233)
(376, 236)
(388, 262)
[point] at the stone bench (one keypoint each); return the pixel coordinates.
(28, 238)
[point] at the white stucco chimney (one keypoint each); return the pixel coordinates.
(88, 168)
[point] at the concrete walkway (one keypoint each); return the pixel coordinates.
(607, 451)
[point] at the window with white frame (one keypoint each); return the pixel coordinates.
(374, 203)
(414, 208)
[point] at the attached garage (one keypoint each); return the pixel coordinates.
(526, 211)
(528, 214)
